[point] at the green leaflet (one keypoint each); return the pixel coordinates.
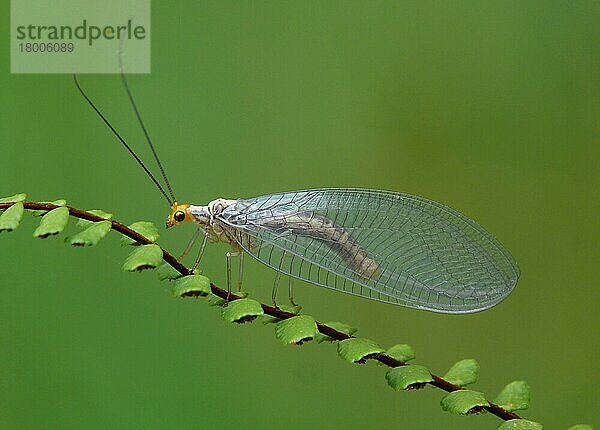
(83, 223)
(242, 311)
(11, 217)
(214, 300)
(145, 228)
(296, 330)
(463, 372)
(338, 326)
(408, 377)
(358, 350)
(165, 271)
(514, 396)
(143, 257)
(464, 402)
(191, 285)
(401, 352)
(91, 235)
(14, 199)
(519, 425)
(40, 212)
(581, 427)
(52, 223)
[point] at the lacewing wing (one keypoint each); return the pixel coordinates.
(387, 246)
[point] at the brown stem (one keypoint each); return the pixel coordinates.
(438, 381)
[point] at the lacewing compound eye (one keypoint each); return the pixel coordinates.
(179, 216)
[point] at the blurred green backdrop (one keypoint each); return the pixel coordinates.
(489, 107)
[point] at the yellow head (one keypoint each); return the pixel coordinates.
(179, 214)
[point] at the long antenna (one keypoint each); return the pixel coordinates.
(139, 117)
(140, 162)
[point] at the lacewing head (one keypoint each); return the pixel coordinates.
(179, 214)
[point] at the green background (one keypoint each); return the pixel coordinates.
(489, 107)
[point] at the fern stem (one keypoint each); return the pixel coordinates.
(438, 381)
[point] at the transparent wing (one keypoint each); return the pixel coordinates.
(381, 245)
